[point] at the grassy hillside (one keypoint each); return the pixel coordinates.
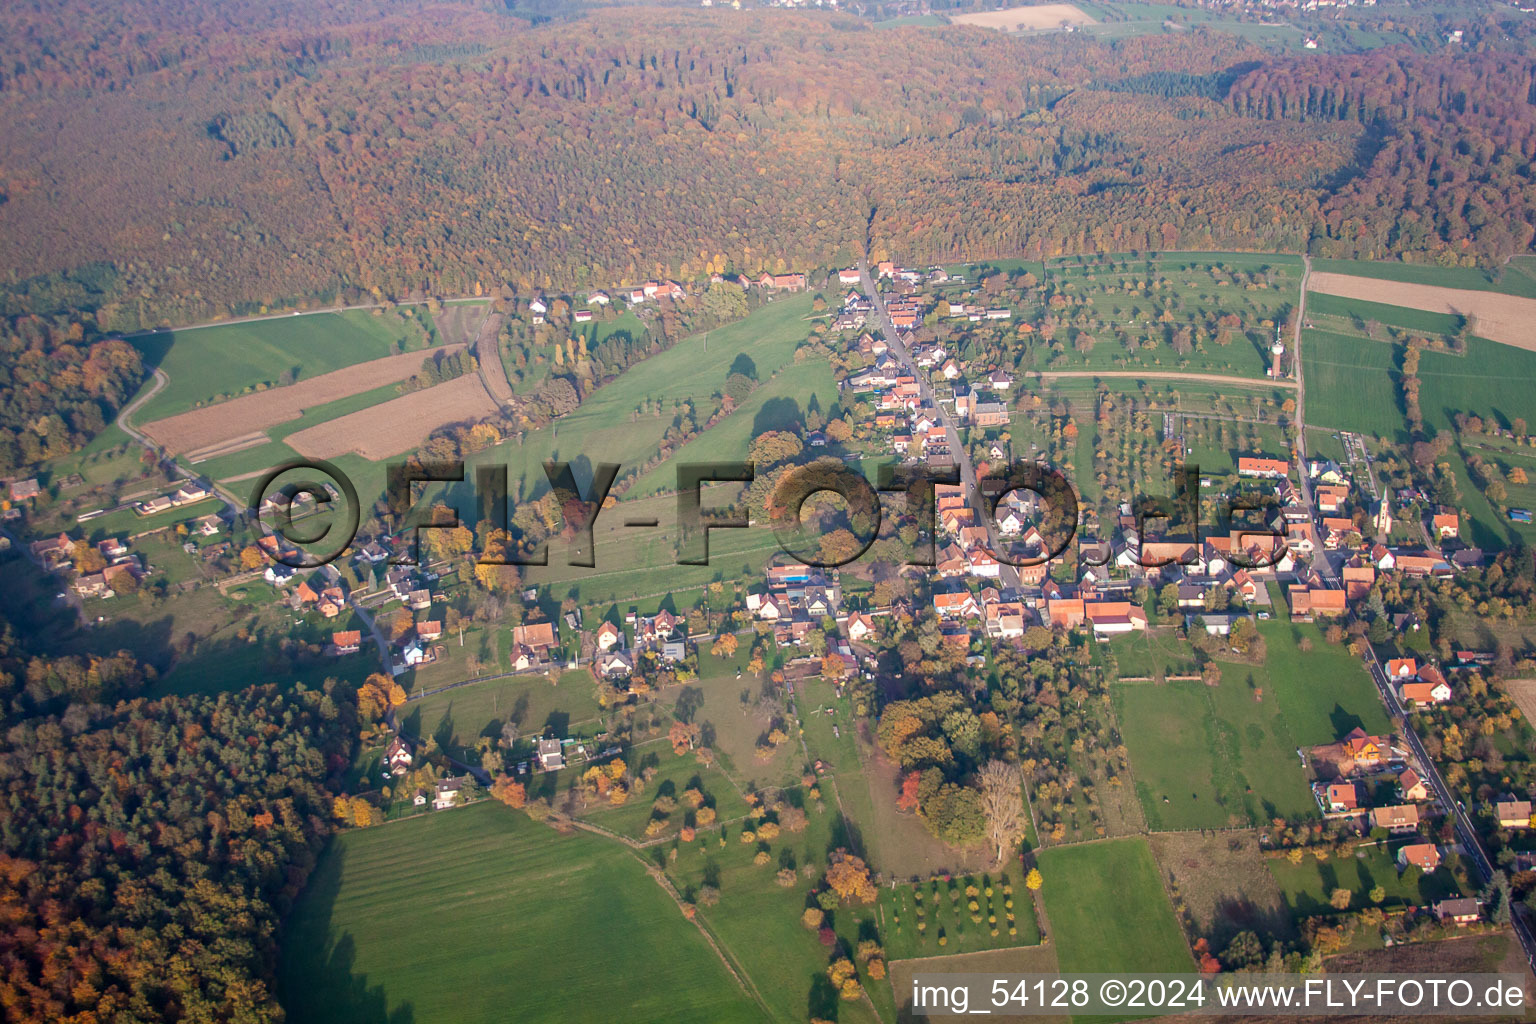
(213, 362)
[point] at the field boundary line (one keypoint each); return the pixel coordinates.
(729, 962)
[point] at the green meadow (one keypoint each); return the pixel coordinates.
(208, 363)
(480, 915)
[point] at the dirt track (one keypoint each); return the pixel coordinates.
(488, 353)
(212, 425)
(1210, 378)
(397, 426)
(1503, 318)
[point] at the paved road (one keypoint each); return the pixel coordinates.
(1466, 835)
(232, 504)
(1320, 560)
(1008, 576)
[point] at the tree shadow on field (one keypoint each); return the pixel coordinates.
(1236, 914)
(846, 836)
(317, 983)
(1343, 721)
(777, 414)
(823, 998)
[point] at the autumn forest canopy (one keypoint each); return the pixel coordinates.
(166, 165)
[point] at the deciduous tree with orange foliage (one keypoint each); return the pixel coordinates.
(848, 876)
(509, 791)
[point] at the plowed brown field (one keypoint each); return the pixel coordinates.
(212, 425)
(1503, 318)
(397, 426)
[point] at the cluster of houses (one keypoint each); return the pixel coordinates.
(190, 493)
(1417, 685)
(118, 563)
(1355, 766)
(662, 637)
(1367, 781)
(797, 600)
(329, 600)
(1374, 767)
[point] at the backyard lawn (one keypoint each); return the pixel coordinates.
(1184, 776)
(1308, 886)
(1212, 757)
(456, 718)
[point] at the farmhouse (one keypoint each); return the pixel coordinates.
(1337, 532)
(1330, 498)
(1110, 618)
(782, 282)
(1068, 613)
(1422, 564)
(1429, 688)
(1005, 621)
(1309, 602)
(1358, 580)
(539, 637)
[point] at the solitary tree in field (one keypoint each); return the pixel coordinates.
(1002, 805)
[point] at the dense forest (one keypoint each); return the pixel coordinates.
(58, 389)
(149, 848)
(260, 154)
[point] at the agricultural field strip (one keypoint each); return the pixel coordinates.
(213, 425)
(1042, 16)
(399, 425)
(1508, 319)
